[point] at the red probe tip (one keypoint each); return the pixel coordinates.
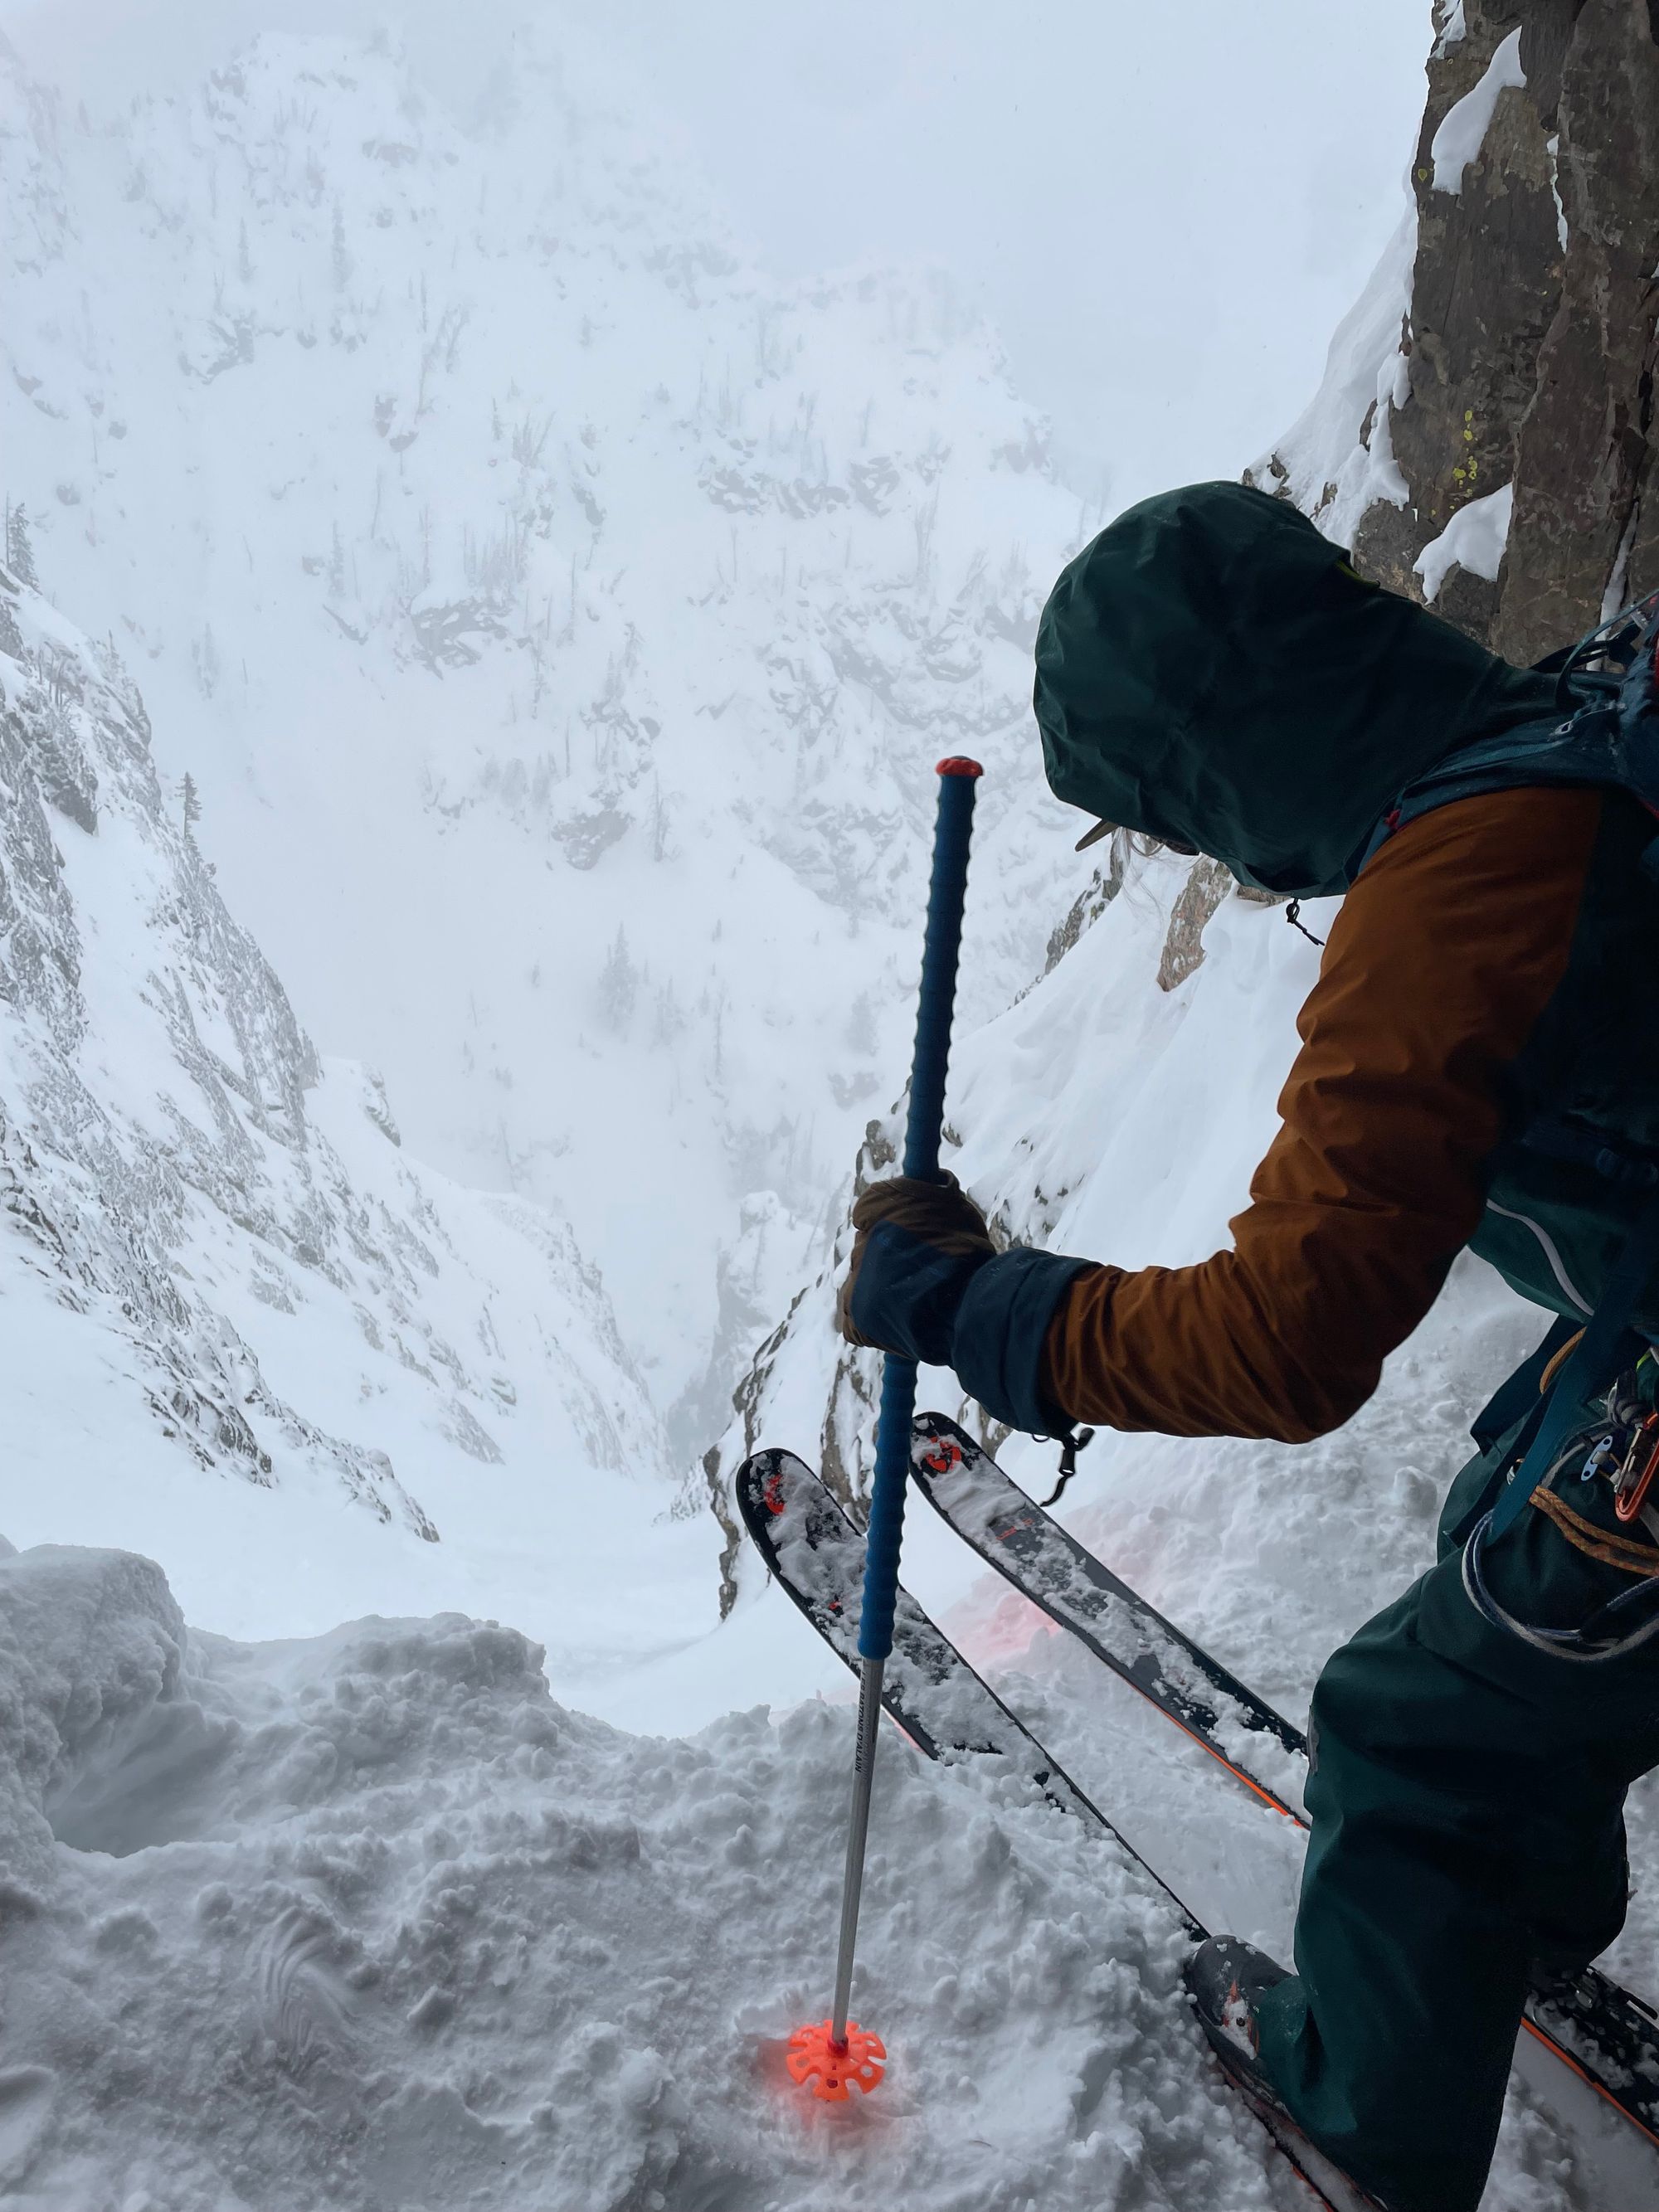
(828, 2068)
(959, 764)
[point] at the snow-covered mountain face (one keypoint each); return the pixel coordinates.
(219, 1262)
(559, 624)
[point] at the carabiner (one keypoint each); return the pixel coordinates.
(1641, 1465)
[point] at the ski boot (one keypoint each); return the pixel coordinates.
(1226, 1980)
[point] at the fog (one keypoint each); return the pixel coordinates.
(1163, 211)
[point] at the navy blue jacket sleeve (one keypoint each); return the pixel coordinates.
(1001, 1326)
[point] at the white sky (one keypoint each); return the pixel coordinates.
(1164, 209)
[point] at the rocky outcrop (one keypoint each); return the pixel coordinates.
(1586, 528)
(1209, 882)
(1527, 353)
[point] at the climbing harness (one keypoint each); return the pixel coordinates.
(1620, 1447)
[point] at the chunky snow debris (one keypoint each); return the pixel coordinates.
(370, 1921)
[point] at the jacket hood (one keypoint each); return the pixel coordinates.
(1211, 670)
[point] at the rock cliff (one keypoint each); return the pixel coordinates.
(1516, 483)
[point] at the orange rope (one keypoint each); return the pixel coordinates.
(1630, 1557)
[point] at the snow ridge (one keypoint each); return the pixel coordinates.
(104, 1186)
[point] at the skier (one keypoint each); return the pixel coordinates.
(1478, 1068)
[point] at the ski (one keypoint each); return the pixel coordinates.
(817, 1556)
(1608, 2037)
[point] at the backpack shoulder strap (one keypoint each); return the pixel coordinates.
(1607, 734)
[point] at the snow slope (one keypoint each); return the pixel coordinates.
(241, 1323)
(564, 622)
(367, 1921)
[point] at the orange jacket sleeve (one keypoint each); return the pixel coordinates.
(1442, 959)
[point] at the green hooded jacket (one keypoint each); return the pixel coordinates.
(1211, 670)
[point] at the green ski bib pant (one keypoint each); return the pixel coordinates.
(1466, 1799)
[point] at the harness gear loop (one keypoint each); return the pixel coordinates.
(1608, 1634)
(1623, 1451)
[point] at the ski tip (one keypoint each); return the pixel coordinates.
(763, 1482)
(936, 1445)
(817, 2061)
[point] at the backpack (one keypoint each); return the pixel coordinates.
(1607, 737)
(1607, 689)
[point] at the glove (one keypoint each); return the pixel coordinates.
(925, 1282)
(918, 1247)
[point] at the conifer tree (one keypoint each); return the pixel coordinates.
(20, 549)
(619, 984)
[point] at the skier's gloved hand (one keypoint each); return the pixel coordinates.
(918, 1247)
(925, 1282)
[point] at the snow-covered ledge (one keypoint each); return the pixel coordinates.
(1473, 539)
(1463, 128)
